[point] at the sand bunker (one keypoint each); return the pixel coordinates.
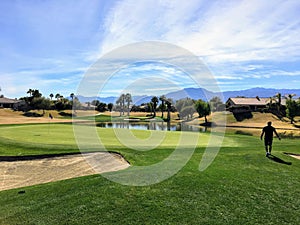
(296, 156)
(20, 173)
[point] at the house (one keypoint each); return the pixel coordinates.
(244, 104)
(11, 103)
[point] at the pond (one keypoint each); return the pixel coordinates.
(163, 126)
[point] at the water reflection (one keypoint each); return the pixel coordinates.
(163, 126)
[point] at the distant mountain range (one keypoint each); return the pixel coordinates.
(200, 93)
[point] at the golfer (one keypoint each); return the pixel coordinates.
(268, 132)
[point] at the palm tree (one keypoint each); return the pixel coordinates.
(293, 107)
(154, 100)
(72, 96)
(121, 102)
(118, 103)
(36, 93)
(51, 96)
(162, 99)
(30, 91)
(110, 106)
(128, 99)
(57, 96)
(290, 96)
(72, 101)
(75, 104)
(169, 106)
(278, 97)
(150, 107)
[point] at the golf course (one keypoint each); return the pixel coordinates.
(241, 185)
(166, 112)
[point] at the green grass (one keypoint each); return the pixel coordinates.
(103, 118)
(37, 139)
(107, 118)
(45, 138)
(241, 186)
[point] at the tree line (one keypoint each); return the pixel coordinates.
(185, 107)
(36, 100)
(290, 110)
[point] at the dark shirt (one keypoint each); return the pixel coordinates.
(269, 132)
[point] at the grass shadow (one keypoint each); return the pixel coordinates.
(240, 116)
(64, 114)
(32, 114)
(278, 160)
(243, 133)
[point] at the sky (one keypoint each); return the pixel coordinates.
(51, 45)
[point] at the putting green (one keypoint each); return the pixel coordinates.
(45, 134)
(62, 136)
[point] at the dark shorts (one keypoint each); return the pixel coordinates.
(268, 142)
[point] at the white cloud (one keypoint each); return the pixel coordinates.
(248, 30)
(228, 35)
(228, 77)
(285, 73)
(238, 40)
(219, 31)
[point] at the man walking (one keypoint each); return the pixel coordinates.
(268, 132)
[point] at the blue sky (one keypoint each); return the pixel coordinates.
(49, 45)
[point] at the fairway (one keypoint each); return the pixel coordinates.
(241, 186)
